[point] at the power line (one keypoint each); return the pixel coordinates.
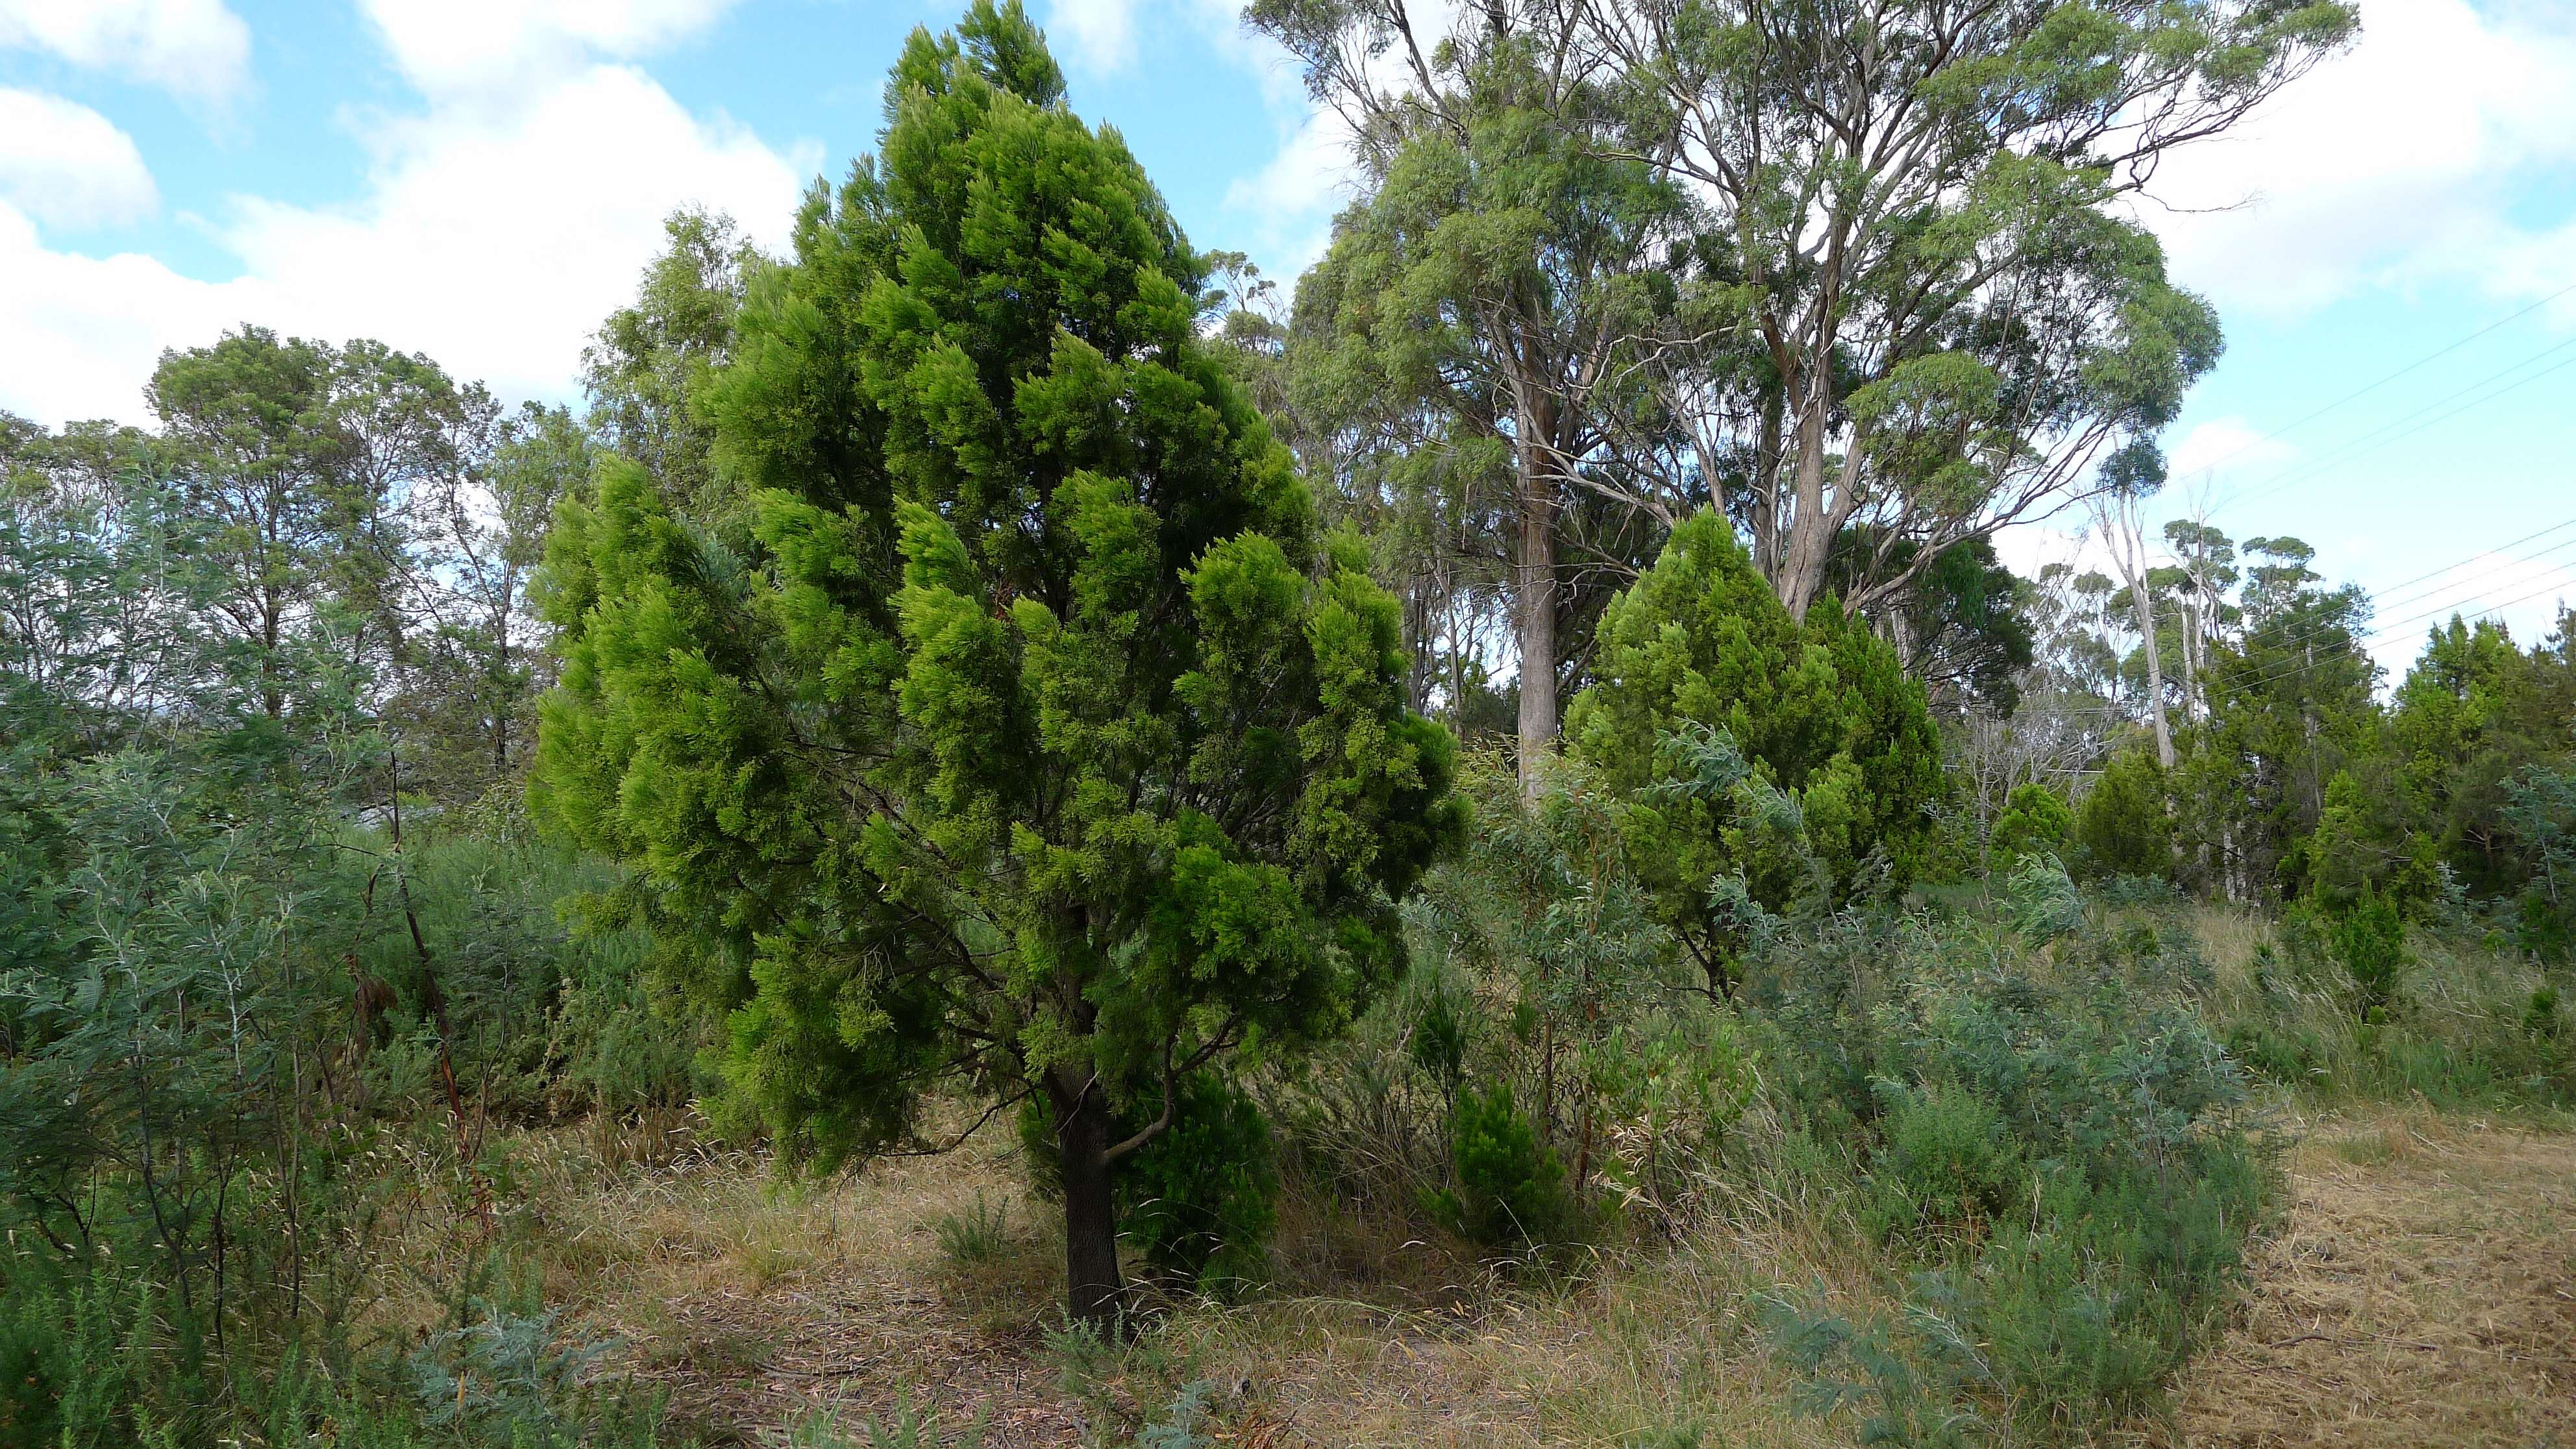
(2381, 437)
(2499, 548)
(2417, 596)
(2357, 643)
(2368, 388)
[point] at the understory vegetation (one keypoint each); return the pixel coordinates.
(970, 803)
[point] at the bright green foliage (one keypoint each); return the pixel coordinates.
(2358, 849)
(2035, 820)
(1509, 1190)
(2454, 734)
(2122, 826)
(2289, 705)
(1794, 758)
(2473, 711)
(1034, 746)
(2370, 940)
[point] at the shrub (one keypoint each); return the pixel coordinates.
(2540, 1016)
(2122, 826)
(974, 1237)
(2065, 1179)
(1509, 1190)
(1199, 1201)
(2034, 821)
(2289, 1056)
(2041, 901)
(1794, 756)
(1438, 1041)
(93, 1361)
(2370, 940)
(1668, 1093)
(1948, 1161)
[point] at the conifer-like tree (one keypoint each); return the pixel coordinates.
(1015, 736)
(1770, 761)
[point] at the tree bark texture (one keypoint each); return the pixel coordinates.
(1094, 1289)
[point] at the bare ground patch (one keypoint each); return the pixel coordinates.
(2422, 1292)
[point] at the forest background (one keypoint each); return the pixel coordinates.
(395, 777)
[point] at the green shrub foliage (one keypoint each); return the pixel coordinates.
(1509, 1190)
(1793, 758)
(1946, 1159)
(2060, 1157)
(1199, 1201)
(2370, 940)
(1019, 734)
(2035, 820)
(2122, 827)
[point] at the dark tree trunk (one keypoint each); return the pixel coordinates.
(1094, 1290)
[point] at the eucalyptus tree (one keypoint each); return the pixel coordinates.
(1030, 744)
(2115, 521)
(1923, 208)
(2204, 570)
(649, 360)
(1478, 313)
(472, 679)
(303, 465)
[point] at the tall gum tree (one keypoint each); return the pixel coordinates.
(1921, 206)
(1491, 284)
(1032, 746)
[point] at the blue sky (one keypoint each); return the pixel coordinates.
(482, 180)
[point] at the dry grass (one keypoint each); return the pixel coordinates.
(2423, 1292)
(751, 1306)
(1620, 1350)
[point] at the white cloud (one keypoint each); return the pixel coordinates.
(1294, 197)
(194, 48)
(1095, 35)
(2401, 161)
(451, 48)
(1099, 36)
(496, 247)
(68, 166)
(492, 237)
(2223, 446)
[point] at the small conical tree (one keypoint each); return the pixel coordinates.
(1767, 759)
(1011, 736)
